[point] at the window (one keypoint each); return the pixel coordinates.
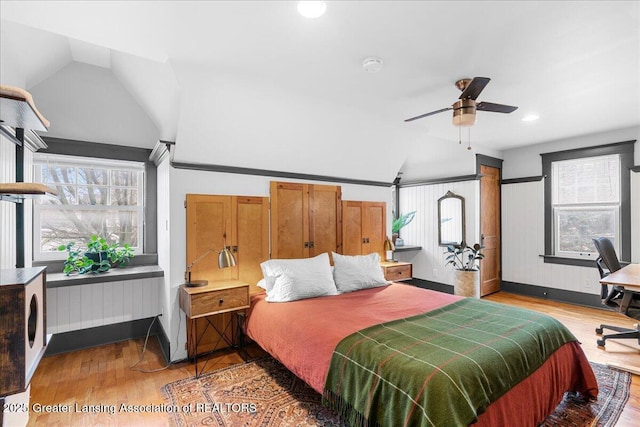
(586, 204)
(587, 195)
(95, 196)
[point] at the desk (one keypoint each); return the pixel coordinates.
(628, 276)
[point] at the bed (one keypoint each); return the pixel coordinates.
(317, 337)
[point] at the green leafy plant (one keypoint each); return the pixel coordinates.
(402, 221)
(463, 257)
(97, 257)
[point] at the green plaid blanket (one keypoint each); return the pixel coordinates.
(440, 368)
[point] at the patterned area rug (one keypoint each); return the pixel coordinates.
(263, 393)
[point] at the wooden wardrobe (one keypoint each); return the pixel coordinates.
(363, 227)
(242, 224)
(306, 219)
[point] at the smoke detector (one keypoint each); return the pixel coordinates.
(372, 65)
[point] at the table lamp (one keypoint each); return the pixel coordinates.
(225, 260)
(388, 249)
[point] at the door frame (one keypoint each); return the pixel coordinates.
(493, 162)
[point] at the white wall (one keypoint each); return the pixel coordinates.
(7, 210)
(77, 307)
(523, 217)
(526, 161)
(164, 238)
(87, 103)
(184, 182)
(523, 240)
(428, 264)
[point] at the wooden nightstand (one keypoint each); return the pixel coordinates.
(397, 270)
(220, 299)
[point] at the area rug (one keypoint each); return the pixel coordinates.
(263, 393)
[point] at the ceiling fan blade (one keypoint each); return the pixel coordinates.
(475, 87)
(429, 114)
(495, 108)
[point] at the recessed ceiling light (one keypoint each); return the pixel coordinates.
(530, 118)
(312, 9)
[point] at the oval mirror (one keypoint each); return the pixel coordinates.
(450, 219)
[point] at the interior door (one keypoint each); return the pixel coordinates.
(490, 271)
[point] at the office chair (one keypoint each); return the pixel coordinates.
(618, 297)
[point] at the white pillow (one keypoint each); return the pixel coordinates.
(266, 283)
(295, 279)
(352, 273)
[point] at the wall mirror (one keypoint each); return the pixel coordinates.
(451, 225)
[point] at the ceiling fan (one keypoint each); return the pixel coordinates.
(464, 110)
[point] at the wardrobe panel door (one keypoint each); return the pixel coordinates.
(352, 228)
(289, 220)
(251, 244)
(375, 227)
(209, 225)
(324, 218)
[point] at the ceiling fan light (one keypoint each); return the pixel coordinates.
(464, 113)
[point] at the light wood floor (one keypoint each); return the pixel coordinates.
(102, 375)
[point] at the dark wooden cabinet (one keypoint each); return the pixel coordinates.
(23, 337)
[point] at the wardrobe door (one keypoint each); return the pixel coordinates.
(363, 227)
(352, 237)
(289, 220)
(374, 227)
(209, 226)
(250, 244)
(325, 216)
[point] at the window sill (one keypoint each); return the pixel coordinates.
(553, 259)
(59, 280)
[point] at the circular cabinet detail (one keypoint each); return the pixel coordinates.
(32, 321)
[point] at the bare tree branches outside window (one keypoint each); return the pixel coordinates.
(95, 196)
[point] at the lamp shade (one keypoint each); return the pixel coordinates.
(226, 258)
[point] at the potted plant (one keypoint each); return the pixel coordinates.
(399, 223)
(463, 258)
(98, 256)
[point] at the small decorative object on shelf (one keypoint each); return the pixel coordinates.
(399, 242)
(400, 222)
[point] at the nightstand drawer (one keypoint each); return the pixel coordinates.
(215, 301)
(398, 272)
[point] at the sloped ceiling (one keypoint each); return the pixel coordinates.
(254, 84)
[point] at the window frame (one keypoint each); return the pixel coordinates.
(116, 152)
(87, 162)
(625, 150)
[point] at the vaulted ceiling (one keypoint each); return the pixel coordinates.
(254, 84)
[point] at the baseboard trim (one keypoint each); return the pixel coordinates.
(434, 286)
(542, 292)
(560, 295)
(100, 335)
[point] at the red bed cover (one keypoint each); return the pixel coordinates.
(303, 334)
